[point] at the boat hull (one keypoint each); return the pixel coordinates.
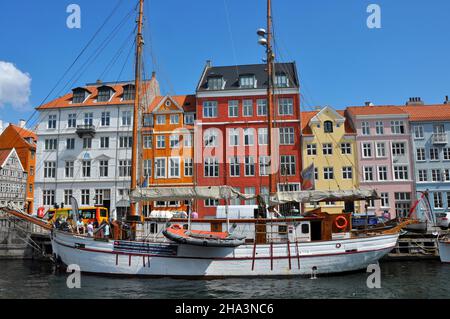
(176, 260)
(444, 251)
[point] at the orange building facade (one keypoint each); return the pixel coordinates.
(168, 148)
(24, 141)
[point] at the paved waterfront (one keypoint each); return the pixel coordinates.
(425, 279)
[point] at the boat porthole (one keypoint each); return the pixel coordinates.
(338, 245)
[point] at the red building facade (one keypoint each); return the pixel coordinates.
(231, 132)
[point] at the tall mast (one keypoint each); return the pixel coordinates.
(270, 68)
(137, 96)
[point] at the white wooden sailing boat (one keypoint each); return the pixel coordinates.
(308, 244)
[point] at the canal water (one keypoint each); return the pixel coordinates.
(418, 279)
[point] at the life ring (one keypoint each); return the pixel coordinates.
(341, 226)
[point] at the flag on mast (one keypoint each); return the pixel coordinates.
(308, 183)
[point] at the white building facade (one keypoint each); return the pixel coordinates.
(84, 147)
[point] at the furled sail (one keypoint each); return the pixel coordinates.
(322, 196)
(186, 193)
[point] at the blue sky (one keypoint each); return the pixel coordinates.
(341, 62)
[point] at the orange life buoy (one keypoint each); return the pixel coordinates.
(341, 226)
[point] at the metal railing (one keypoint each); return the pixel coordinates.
(439, 138)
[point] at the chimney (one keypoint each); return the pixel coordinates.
(22, 123)
(447, 101)
(99, 82)
(153, 75)
(368, 103)
(208, 63)
(415, 101)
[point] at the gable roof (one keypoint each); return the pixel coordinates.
(5, 154)
(24, 133)
(186, 102)
(308, 116)
(231, 75)
(423, 113)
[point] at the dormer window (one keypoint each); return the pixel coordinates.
(281, 80)
(215, 83)
(79, 95)
(328, 127)
(128, 92)
(104, 94)
(247, 81)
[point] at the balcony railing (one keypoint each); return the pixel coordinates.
(83, 130)
(439, 138)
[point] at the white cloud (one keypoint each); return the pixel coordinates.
(15, 87)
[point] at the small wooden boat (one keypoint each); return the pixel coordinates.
(202, 238)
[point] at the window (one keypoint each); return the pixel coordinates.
(346, 148)
(174, 119)
(381, 149)
(290, 187)
(189, 119)
(174, 167)
(263, 136)
(125, 141)
(401, 173)
(422, 175)
(285, 106)
(446, 174)
(384, 200)
(174, 141)
(148, 141)
(209, 109)
(327, 149)
(328, 127)
(49, 169)
(233, 136)
(379, 128)
(160, 168)
(434, 154)
(402, 204)
(249, 136)
(148, 120)
(418, 132)
(215, 83)
(211, 202)
(247, 81)
(311, 149)
(160, 141)
(261, 105)
(51, 122)
(104, 94)
(48, 197)
(128, 92)
(328, 173)
(233, 108)
(87, 142)
(79, 96)
(210, 138)
(367, 150)
(160, 119)
(287, 136)
(89, 119)
(72, 121)
(398, 149)
(365, 128)
(288, 166)
(51, 144)
(247, 108)
(347, 172)
(281, 81)
(86, 165)
(368, 174)
(211, 166)
(264, 165)
(249, 166)
(147, 168)
(446, 152)
(437, 199)
(397, 127)
(69, 168)
(420, 156)
(187, 140)
(188, 167)
(104, 142)
(104, 168)
(235, 167)
(126, 118)
(250, 191)
(85, 194)
(436, 175)
(106, 119)
(125, 168)
(382, 173)
(67, 194)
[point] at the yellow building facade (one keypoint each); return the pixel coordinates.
(329, 143)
